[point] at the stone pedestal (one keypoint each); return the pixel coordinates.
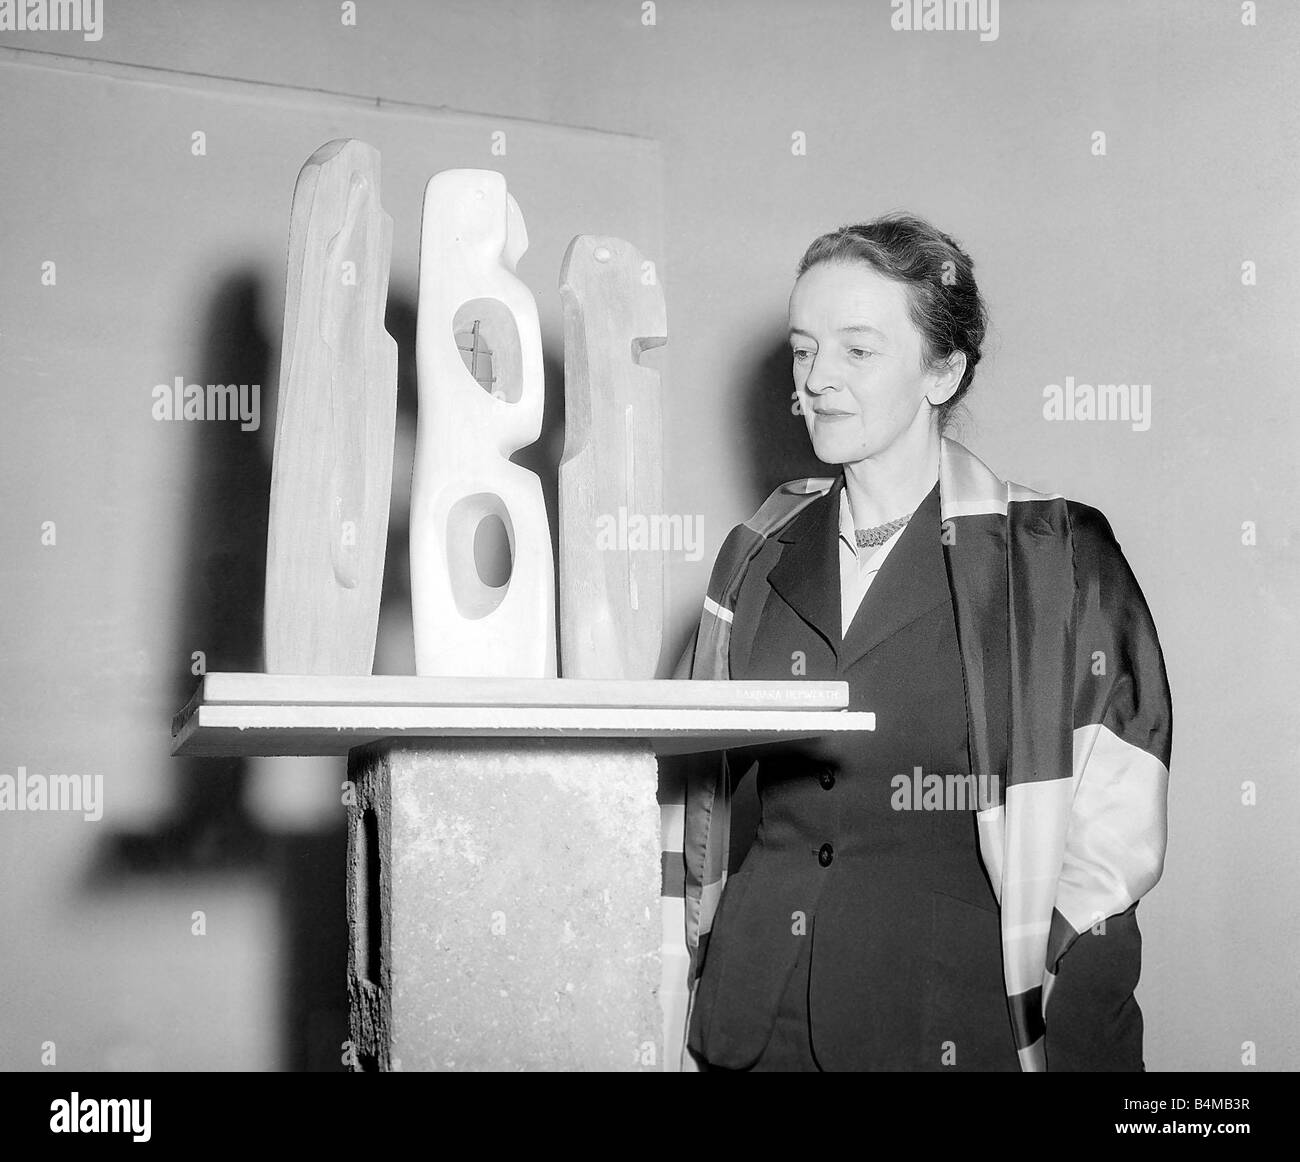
(505, 858)
(503, 897)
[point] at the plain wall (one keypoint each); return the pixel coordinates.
(1118, 268)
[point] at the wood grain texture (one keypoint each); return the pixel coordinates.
(332, 472)
(611, 475)
(472, 237)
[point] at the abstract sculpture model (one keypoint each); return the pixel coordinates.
(479, 363)
(611, 595)
(333, 463)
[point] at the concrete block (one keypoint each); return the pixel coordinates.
(503, 897)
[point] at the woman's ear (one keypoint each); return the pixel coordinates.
(948, 380)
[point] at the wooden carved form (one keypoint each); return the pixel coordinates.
(481, 392)
(333, 461)
(611, 584)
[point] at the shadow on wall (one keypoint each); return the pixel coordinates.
(774, 447)
(776, 436)
(211, 834)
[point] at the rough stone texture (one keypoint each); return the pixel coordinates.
(519, 887)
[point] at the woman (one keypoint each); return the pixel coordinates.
(956, 890)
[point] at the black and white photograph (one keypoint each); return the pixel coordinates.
(568, 536)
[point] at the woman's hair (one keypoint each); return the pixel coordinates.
(945, 303)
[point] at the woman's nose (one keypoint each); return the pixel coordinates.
(819, 380)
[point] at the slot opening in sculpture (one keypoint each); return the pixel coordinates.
(480, 549)
(487, 338)
(643, 343)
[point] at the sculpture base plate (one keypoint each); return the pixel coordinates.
(280, 714)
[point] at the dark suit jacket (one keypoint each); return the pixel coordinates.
(905, 963)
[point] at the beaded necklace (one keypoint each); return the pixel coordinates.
(874, 537)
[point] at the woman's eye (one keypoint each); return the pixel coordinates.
(802, 354)
(859, 352)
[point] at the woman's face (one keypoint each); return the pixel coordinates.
(858, 370)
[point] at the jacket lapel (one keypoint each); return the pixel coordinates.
(911, 582)
(807, 576)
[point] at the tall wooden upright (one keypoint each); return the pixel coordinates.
(611, 476)
(332, 472)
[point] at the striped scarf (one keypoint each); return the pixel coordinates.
(1068, 709)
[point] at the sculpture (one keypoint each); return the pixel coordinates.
(611, 596)
(333, 463)
(463, 484)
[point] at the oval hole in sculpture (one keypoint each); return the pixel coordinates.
(492, 551)
(488, 341)
(480, 543)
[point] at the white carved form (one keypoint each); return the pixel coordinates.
(611, 594)
(465, 625)
(332, 471)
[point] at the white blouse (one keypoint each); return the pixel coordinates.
(858, 567)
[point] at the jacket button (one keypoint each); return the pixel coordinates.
(826, 777)
(826, 854)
